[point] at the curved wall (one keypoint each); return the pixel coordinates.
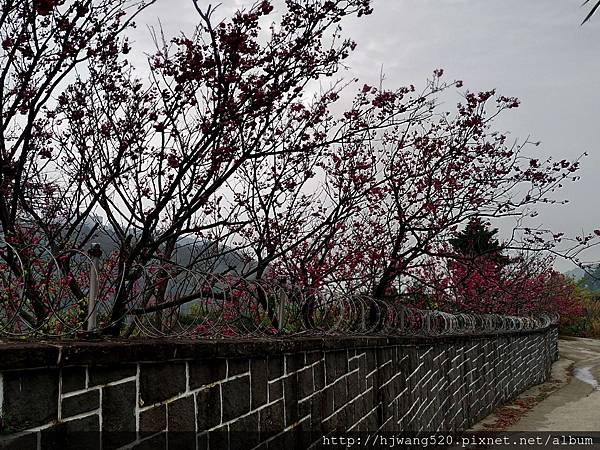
(258, 393)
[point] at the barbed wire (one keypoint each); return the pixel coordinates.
(73, 294)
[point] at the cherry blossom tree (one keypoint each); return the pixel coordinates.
(232, 146)
(43, 44)
(426, 173)
(526, 285)
(156, 158)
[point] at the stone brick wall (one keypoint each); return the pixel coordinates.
(264, 394)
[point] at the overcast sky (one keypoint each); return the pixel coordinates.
(535, 50)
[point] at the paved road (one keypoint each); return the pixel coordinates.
(576, 405)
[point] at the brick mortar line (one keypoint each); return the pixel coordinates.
(220, 404)
(370, 373)
(287, 428)
(427, 378)
(295, 372)
(441, 380)
(59, 406)
(330, 385)
(357, 356)
(195, 398)
(136, 407)
(187, 375)
(426, 408)
(366, 415)
(98, 386)
(229, 422)
(388, 362)
(385, 423)
(395, 399)
(426, 353)
(80, 392)
(414, 416)
(391, 379)
(415, 371)
(138, 441)
(194, 391)
(346, 404)
(442, 353)
(82, 415)
(101, 414)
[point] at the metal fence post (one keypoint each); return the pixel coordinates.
(95, 253)
(282, 303)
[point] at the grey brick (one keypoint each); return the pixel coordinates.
(153, 420)
(206, 371)
(208, 404)
(31, 397)
(236, 397)
(118, 420)
(73, 379)
(103, 375)
(77, 404)
(159, 382)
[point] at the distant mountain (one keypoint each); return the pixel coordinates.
(210, 256)
(591, 279)
(587, 277)
(576, 274)
(211, 260)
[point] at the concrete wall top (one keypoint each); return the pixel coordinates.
(15, 354)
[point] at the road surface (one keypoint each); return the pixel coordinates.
(576, 405)
(571, 400)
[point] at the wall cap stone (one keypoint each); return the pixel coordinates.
(15, 354)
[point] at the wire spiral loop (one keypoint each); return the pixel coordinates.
(47, 295)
